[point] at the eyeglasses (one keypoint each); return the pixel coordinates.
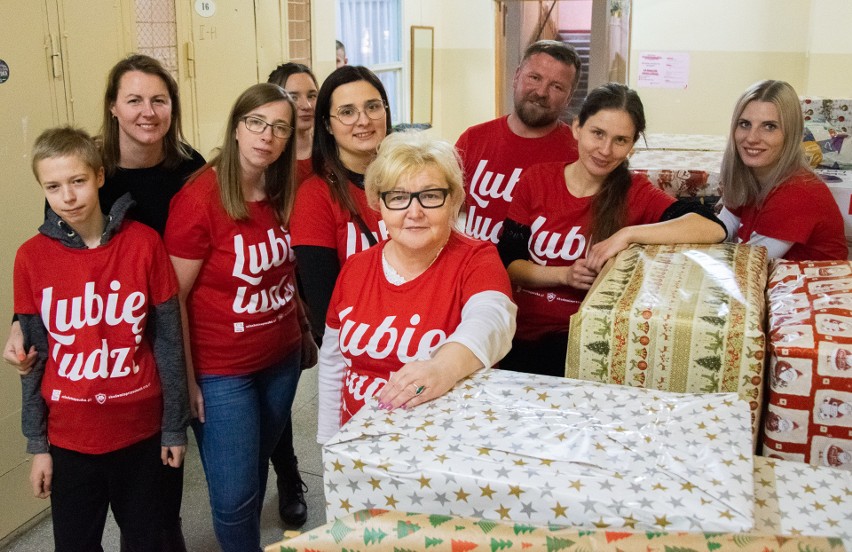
(428, 199)
(349, 114)
(257, 125)
(310, 97)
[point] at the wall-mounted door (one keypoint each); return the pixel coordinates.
(232, 47)
(57, 54)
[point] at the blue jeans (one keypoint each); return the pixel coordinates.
(244, 417)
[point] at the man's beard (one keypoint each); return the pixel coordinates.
(534, 115)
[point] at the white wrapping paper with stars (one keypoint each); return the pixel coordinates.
(542, 450)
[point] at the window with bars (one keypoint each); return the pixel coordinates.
(371, 31)
(299, 22)
(156, 31)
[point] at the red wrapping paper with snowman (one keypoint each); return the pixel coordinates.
(809, 407)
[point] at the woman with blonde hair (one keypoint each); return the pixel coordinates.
(244, 325)
(407, 347)
(771, 197)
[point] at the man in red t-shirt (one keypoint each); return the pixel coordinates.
(496, 152)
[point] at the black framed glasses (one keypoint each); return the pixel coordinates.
(349, 114)
(432, 198)
(257, 125)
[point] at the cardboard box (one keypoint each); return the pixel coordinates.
(678, 318)
(809, 404)
(541, 450)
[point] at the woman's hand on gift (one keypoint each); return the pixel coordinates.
(579, 275)
(604, 250)
(420, 381)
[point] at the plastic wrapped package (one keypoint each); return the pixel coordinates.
(685, 174)
(537, 449)
(682, 142)
(681, 318)
(793, 499)
(809, 412)
(392, 530)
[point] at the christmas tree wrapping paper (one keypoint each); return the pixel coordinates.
(399, 531)
(682, 318)
(793, 499)
(537, 449)
(809, 410)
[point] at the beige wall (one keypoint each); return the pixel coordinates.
(464, 61)
(731, 45)
(830, 50)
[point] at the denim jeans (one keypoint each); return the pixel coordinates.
(244, 417)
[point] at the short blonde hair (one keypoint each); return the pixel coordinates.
(402, 154)
(66, 142)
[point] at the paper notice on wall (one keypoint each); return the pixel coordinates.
(663, 69)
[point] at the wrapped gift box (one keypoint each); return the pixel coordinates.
(794, 499)
(677, 318)
(809, 413)
(539, 449)
(679, 173)
(837, 112)
(393, 530)
(840, 184)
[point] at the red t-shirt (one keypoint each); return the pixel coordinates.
(494, 158)
(100, 382)
(383, 326)
(560, 234)
(320, 221)
(304, 169)
(241, 309)
(800, 210)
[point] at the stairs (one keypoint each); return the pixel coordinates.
(581, 41)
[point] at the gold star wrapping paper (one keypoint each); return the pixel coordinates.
(683, 318)
(795, 499)
(538, 449)
(390, 530)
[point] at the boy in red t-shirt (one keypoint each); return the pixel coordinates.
(106, 401)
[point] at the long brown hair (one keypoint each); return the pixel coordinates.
(280, 176)
(175, 147)
(609, 206)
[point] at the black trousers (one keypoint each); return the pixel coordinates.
(85, 485)
(545, 356)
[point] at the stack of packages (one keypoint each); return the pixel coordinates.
(837, 112)
(546, 450)
(809, 415)
(676, 318)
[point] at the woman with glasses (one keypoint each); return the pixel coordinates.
(412, 316)
(298, 81)
(331, 218)
(244, 326)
